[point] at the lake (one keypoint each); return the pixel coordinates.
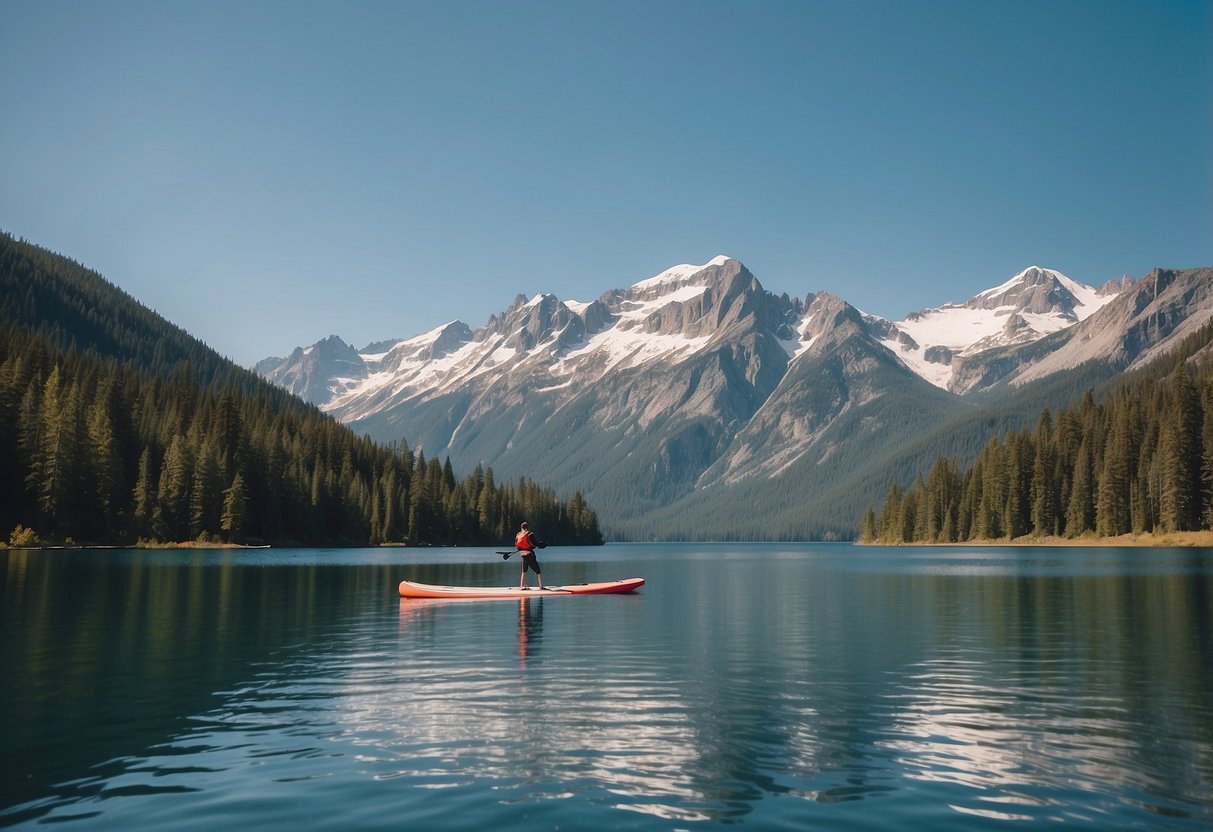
(801, 686)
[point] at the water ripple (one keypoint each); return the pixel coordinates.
(849, 697)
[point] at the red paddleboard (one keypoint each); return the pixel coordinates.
(412, 589)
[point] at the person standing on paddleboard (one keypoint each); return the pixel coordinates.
(526, 543)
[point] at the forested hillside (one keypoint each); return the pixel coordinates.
(116, 426)
(1138, 460)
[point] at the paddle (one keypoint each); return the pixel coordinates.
(506, 555)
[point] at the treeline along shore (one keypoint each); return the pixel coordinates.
(1133, 469)
(117, 427)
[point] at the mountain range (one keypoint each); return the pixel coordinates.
(697, 405)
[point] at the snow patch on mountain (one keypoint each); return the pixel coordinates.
(629, 343)
(635, 311)
(935, 336)
(621, 348)
(804, 335)
(631, 338)
(1032, 304)
(681, 272)
(417, 342)
(374, 357)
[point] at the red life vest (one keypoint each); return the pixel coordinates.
(522, 542)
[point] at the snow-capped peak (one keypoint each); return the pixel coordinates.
(680, 272)
(1021, 278)
(1040, 291)
(1035, 302)
(427, 338)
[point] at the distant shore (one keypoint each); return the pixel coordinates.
(190, 544)
(1154, 540)
(187, 544)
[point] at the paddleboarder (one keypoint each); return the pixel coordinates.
(526, 543)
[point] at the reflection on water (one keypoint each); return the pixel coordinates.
(785, 687)
(530, 628)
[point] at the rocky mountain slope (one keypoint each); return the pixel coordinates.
(665, 401)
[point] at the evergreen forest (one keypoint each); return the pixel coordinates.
(117, 427)
(1138, 460)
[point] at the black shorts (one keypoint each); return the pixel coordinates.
(529, 562)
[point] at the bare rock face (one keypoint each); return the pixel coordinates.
(311, 373)
(1142, 323)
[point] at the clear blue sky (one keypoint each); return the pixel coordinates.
(268, 173)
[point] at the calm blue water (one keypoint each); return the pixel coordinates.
(766, 687)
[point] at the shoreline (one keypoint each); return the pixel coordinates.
(189, 544)
(1142, 540)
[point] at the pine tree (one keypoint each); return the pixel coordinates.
(105, 462)
(1182, 480)
(1019, 458)
(1044, 479)
(145, 494)
(420, 521)
(890, 516)
(376, 520)
(235, 509)
(172, 515)
(909, 516)
(206, 494)
(970, 502)
(55, 475)
(1112, 505)
(1173, 496)
(867, 532)
(390, 497)
(992, 509)
(29, 440)
(227, 433)
(1080, 511)
(487, 507)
